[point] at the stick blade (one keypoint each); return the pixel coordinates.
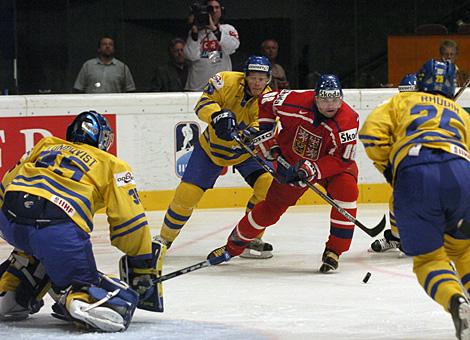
(379, 227)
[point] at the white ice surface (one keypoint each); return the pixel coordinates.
(280, 298)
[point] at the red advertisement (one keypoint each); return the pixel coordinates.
(20, 134)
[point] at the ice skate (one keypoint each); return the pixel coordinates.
(330, 261)
(460, 310)
(386, 243)
(258, 249)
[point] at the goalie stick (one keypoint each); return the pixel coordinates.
(369, 231)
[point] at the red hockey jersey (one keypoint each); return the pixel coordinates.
(329, 143)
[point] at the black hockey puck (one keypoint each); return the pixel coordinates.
(366, 277)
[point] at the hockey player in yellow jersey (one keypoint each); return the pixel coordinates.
(48, 201)
(229, 102)
(420, 141)
(391, 239)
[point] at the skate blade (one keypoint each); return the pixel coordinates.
(255, 254)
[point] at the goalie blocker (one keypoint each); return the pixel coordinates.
(142, 276)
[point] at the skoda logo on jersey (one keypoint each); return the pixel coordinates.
(348, 136)
(186, 135)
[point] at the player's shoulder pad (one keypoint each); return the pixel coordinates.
(348, 124)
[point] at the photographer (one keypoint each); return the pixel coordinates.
(209, 44)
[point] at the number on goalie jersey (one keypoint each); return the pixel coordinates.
(423, 140)
(48, 202)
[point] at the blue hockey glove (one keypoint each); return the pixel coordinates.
(224, 124)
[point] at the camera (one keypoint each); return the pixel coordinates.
(201, 13)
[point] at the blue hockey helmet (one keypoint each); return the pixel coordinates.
(437, 77)
(91, 128)
(328, 86)
(408, 83)
(257, 63)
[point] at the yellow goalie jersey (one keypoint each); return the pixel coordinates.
(412, 120)
(81, 179)
(226, 90)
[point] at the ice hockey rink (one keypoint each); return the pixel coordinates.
(284, 297)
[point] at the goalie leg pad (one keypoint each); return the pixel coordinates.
(141, 275)
(108, 307)
(23, 283)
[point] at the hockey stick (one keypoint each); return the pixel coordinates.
(192, 268)
(459, 92)
(369, 231)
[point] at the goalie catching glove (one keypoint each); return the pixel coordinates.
(224, 124)
(142, 276)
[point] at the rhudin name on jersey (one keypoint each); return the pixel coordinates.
(124, 178)
(348, 136)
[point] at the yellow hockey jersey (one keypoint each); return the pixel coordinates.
(226, 90)
(81, 179)
(410, 120)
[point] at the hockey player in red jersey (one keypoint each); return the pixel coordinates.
(318, 139)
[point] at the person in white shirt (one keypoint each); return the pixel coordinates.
(209, 45)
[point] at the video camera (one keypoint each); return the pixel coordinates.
(201, 13)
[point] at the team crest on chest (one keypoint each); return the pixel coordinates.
(306, 144)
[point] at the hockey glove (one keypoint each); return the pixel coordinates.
(266, 144)
(247, 135)
(141, 275)
(224, 124)
(298, 175)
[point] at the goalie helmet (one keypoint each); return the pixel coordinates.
(258, 64)
(437, 77)
(91, 128)
(408, 83)
(328, 86)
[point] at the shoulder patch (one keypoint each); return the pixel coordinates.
(267, 97)
(281, 97)
(217, 81)
(124, 178)
(347, 136)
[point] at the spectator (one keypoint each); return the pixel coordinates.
(449, 51)
(270, 49)
(172, 76)
(104, 74)
(209, 45)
